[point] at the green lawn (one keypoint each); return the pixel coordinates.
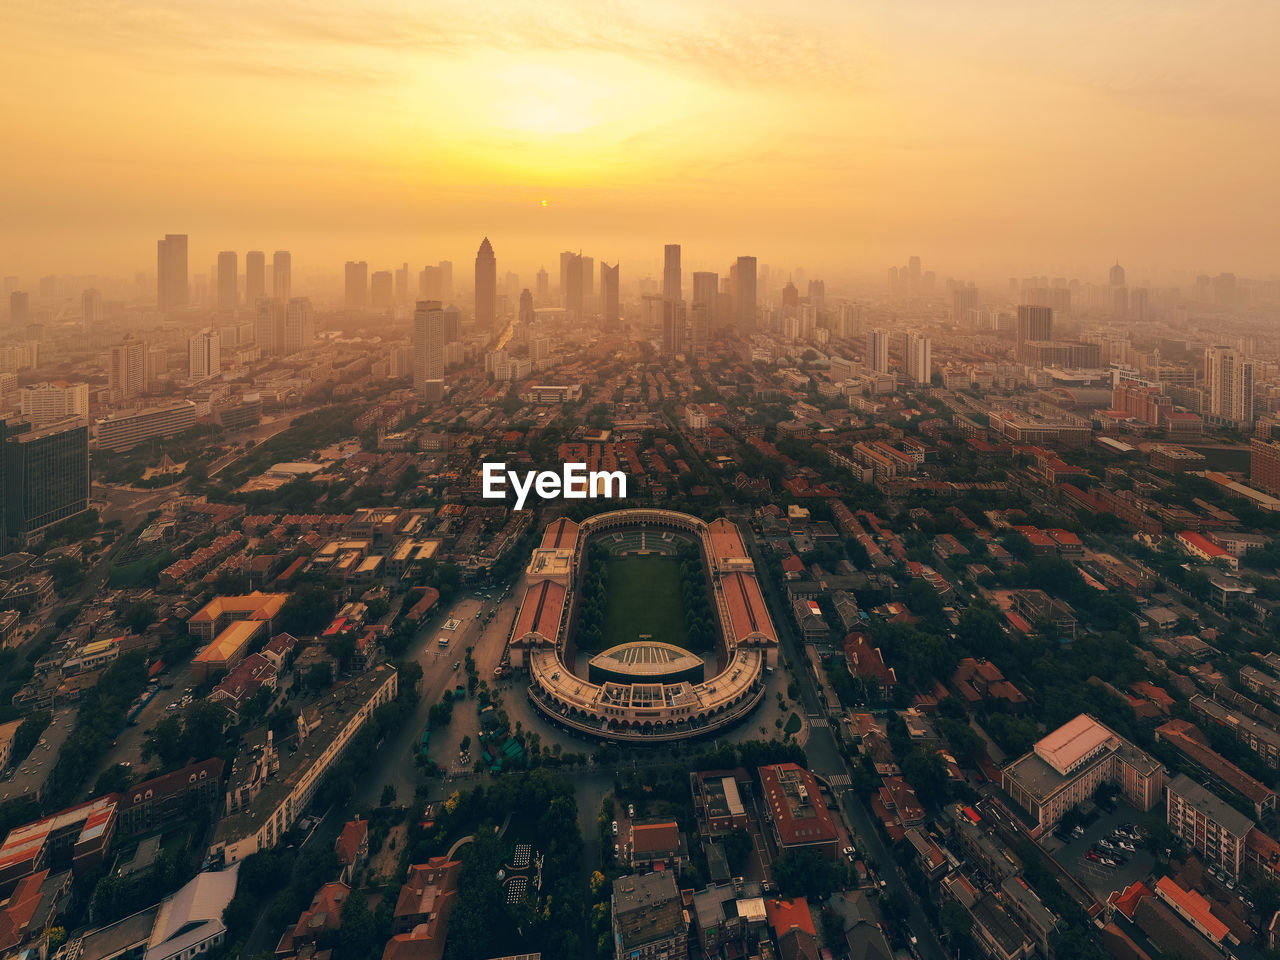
(644, 597)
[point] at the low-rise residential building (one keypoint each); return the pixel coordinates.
(1187, 739)
(648, 918)
(717, 802)
(656, 846)
(268, 792)
(1207, 824)
(796, 810)
(170, 796)
(426, 900)
(866, 663)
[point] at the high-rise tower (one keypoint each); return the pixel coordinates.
(171, 272)
(672, 286)
(282, 275)
(428, 348)
(486, 287)
(255, 276)
(357, 284)
(609, 294)
(745, 295)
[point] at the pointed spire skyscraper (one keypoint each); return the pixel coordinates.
(486, 287)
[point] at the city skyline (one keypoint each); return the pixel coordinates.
(1041, 143)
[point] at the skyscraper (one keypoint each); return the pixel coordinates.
(268, 327)
(1034, 323)
(298, 329)
(673, 323)
(282, 275)
(46, 475)
(672, 282)
(402, 283)
(255, 277)
(357, 284)
(706, 291)
(818, 293)
(609, 294)
(204, 355)
(542, 289)
(381, 290)
(745, 295)
(919, 359)
(573, 265)
(565, 257)
(526, 314)
(878, 350)
(1116, 276)
(92, 314)
(588, 281)
(171, 272)
(1138, 304)
(428, 349)
(446, 279)
(127, 369)
(486, 286)
(964, 298)
(228, 282)
(699, 328)
(1228, 381)
(19, 309)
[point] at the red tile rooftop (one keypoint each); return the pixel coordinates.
(540, 611)
(726, 542)
(562, 534)
(747, 611)
(784, 915)
(1194, 906)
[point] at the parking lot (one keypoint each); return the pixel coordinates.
(1099, 877)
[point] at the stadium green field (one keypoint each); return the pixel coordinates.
(644, 598)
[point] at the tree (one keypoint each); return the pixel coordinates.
(737, 850)
(231, 583)
(927, 773)
(805, 873)
(357, 936)
(308, 610)
(165, 742)
(388, 795)
(139, 616)
(957, 927)
(202, 730)
(115, 779)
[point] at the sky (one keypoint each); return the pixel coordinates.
(995, 137)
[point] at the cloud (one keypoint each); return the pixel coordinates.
(301, 39)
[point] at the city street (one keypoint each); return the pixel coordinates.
(826, 761)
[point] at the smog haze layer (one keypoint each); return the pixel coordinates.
(994, 136)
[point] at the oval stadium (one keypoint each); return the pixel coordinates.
(647, 685)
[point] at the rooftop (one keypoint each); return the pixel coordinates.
(646, 909)
(229, 642)
(254, 606)
(647, 657)
(796, 805)
(335, 710)
(1212, 806)
(1073, 743)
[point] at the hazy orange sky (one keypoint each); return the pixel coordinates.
(984, 136)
